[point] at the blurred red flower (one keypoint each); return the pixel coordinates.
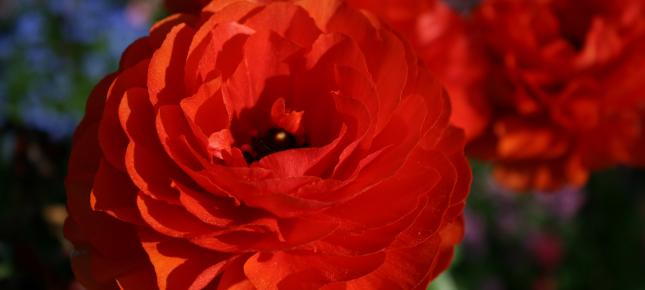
(567, 92)
(547, 250)
(548, 90)
(290, 145)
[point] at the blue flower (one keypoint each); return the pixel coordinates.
(86, 24)
(6, 47)
(59, 87)
(63, 7)
(30, 28)
(41, 59)
(122, 32)
(47, 78)
(58, 125)
(96, 65)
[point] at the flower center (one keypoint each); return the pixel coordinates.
(272, 141)
(575, 21)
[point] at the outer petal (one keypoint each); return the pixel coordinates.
(282, 270)
(180, 265)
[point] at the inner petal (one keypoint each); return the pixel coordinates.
(291, 113)
(261, 131)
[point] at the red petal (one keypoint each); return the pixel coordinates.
(234, 277)
(402, 269)
(355, 239)
(215, 50)
(139, 50)
(300, 162)
(83, 163)
(162, 28)
(148, 165)
(112, 139)
(144, 279)
(217, 211)
(165, 74)
(206, 109)
(282, 270)
(403, 128)
(416, 177)
(122, 206)
(289, 121)
(321, 11)
(180, 265)
(265, 56)
(287, 20)
(170, 220)
(231, 10)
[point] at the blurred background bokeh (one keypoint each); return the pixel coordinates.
(53, 51)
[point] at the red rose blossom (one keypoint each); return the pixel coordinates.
(548, 90)
(290, 145)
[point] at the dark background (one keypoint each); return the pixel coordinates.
(52, 53)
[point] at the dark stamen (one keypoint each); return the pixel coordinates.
(274, 140)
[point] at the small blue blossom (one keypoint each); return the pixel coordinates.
(95, 66)
(123, 32)
(57, 71)
(57, 124)
(30, 28)
(60, 86)
(87, 23)
(42, 59)
(6, 47)
(62, 7)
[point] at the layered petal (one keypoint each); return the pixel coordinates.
(266, 145)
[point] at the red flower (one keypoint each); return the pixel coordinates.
(548, 90)
(568, 97)
(291, 145)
